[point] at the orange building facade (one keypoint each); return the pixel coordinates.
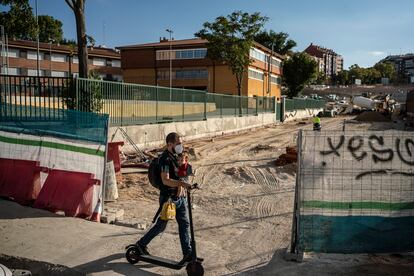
(191, 69)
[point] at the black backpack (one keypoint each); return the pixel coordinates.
(154, 173)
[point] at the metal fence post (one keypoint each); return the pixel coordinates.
(156, 105)
(122, 105)
(205, 105)
(283, 109)
(221, 106)
(183, 95)
(296, 211)
(235, 105)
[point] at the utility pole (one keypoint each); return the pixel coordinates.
(170, 56)
(37, 37)
(269, 84)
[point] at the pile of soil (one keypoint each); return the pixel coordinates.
(291, 156)
(261, 147)
(372, 116)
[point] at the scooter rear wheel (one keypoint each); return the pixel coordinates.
(132, 255)
(195, 269)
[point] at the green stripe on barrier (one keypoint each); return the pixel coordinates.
(388, 206)
(52, 145)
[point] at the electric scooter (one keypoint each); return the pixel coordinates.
(193, 267)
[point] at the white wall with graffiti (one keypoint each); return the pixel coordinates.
(355, 191)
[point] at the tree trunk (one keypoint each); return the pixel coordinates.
(239, 79)
(81, 35)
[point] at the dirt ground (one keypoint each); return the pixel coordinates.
(244, 209)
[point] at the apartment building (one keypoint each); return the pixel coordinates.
(192, 69)
(403, 64)
(329, 62)
(20, 58)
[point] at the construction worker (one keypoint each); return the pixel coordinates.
(316, 122)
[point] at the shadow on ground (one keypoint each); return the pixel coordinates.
(114, 263)
(38, 268)
(14, 211)
(338, 265)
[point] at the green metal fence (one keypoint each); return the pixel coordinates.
(300, 103)
(129, 104)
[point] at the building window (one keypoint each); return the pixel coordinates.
(59, 74)
(13, 53)
(275, 79)
(75, 60)
(11, 71)
(163, 55)
(33, 72)
(255, 74)
(257, 54)
(116, 63)
(33, 55)
(183, 74)
(182, 54)
(191, 74)
(117, 77)
(58, 58)
(99, 61)
(275, 62)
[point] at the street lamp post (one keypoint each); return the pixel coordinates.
(170, 56)
(37, 37)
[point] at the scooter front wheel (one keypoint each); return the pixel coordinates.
(195, 269)
(132, 255)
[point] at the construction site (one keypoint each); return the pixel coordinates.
(251, 214)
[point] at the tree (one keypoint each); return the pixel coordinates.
(320, 78)
(230, 39)
(18, 22)
(78, 8)
(356, 72)
(298, 71)
(371, 75)
(66, 41)
(342, 78)
(50, 29)
(386, 69)
(281, 43)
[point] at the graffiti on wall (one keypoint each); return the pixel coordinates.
(378, 152)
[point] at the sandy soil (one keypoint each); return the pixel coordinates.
(244, 209)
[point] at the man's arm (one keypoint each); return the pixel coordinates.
(166, 180)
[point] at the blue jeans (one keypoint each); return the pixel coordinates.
(183, 225)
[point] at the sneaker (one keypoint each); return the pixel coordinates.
(143, 250)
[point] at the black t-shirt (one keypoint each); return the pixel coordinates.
(169, 164)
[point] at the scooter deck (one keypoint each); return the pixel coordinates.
(161, 261)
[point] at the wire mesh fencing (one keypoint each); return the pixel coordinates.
(355, 192)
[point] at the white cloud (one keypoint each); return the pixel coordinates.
(377, 53)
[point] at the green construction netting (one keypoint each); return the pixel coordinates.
(62, 123)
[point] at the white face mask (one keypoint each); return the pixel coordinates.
(179, 149)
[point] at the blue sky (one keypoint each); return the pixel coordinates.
(362, 31)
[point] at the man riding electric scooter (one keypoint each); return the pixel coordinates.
(173, 191)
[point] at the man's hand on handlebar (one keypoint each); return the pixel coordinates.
(186, 185)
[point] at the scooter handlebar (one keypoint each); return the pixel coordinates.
(195, 187)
